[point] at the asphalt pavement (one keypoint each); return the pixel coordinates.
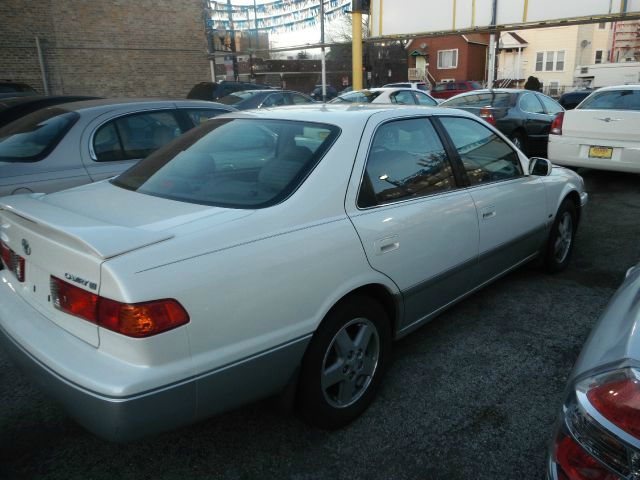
(472, 395)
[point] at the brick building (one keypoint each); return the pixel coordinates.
(448, 57)
(132, 48)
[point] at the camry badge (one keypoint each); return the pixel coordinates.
(25, 247)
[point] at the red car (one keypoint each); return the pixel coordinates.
(451, 89)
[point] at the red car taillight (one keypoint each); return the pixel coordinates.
(12, 261)
(556, 126)
(137, 320)
(486, 113)
(600, 435)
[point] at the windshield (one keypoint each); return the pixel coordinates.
(365, 96)
(34, 136)
(612, 100)
(235, 163)
(480, 100)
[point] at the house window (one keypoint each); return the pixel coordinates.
(554, 88)
(550, 61)
(448, 58)
(602, 25)
(598, 56)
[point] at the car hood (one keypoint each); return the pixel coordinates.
(105, 221)
(616, 335)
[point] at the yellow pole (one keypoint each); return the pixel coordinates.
(473, 13)
(525, 11)
(453, 27)
(356, 49)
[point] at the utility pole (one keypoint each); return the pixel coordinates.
(233, 40)
(255, 32)
(356, 46)
(324, 65)
(493, 47)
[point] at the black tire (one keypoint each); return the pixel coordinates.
(519, 139)
(323, 400)
(563, 231)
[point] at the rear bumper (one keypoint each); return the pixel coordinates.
(58, 361)
(574, 152)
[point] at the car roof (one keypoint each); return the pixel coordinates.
(619, 87)
(338, 113)
(115, 102)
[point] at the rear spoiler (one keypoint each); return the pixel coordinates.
(86, 234)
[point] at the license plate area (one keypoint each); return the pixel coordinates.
(600, 152)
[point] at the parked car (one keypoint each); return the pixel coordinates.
(400, 96)
(571, 100)
(597, 435)
(10, 89)
(415, 85)
(13, 108)
(331, 93)
(214, 91)
(265, 251)
(451, 89)
(522, 115)
(81, 142)
(250, 99)
(601, 133)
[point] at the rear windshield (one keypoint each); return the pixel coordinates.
(480, 100)
(34, 136)
(440, 88)
(15, 87)
(357, 97)
(476, 85)
(234, 163)
(612, 100)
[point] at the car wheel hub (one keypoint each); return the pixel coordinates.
(350, 363)
(564, 237)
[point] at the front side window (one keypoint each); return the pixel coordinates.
(134, 136)
(529, 103)
(551, 106)
(612, 100)
(485, 156)
(234, 163)
(406, 160)
(297, 99)
(363, 96)
(33, 137)
(273, 100)
(448, 58)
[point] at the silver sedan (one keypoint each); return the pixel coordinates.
(598, 432)
(81, 142)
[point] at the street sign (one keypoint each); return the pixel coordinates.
(391, 18)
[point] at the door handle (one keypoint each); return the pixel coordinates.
(386, 244)
(488, 212)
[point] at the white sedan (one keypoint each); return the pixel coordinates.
(602, 132)
(395, 95)
(268, 250)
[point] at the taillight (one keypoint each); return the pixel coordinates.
(618, 400)
(599, 437)
(137, 320)
(487, 114)
(12, 261)
(556, 126)
(576, 464)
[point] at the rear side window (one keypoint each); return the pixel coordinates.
(485, 156)
(403, 98)
(407, 160)
(234, 163)
(134, 136)
(497, 100)
(551, 106)
(612, 100)
(34, 136)
(424, 99)
(364, 96)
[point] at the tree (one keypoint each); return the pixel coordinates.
(533, 84)
(303, 55)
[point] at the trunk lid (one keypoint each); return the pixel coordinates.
(601, 126)
(70, 234)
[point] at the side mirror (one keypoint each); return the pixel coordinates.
(540, 167)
